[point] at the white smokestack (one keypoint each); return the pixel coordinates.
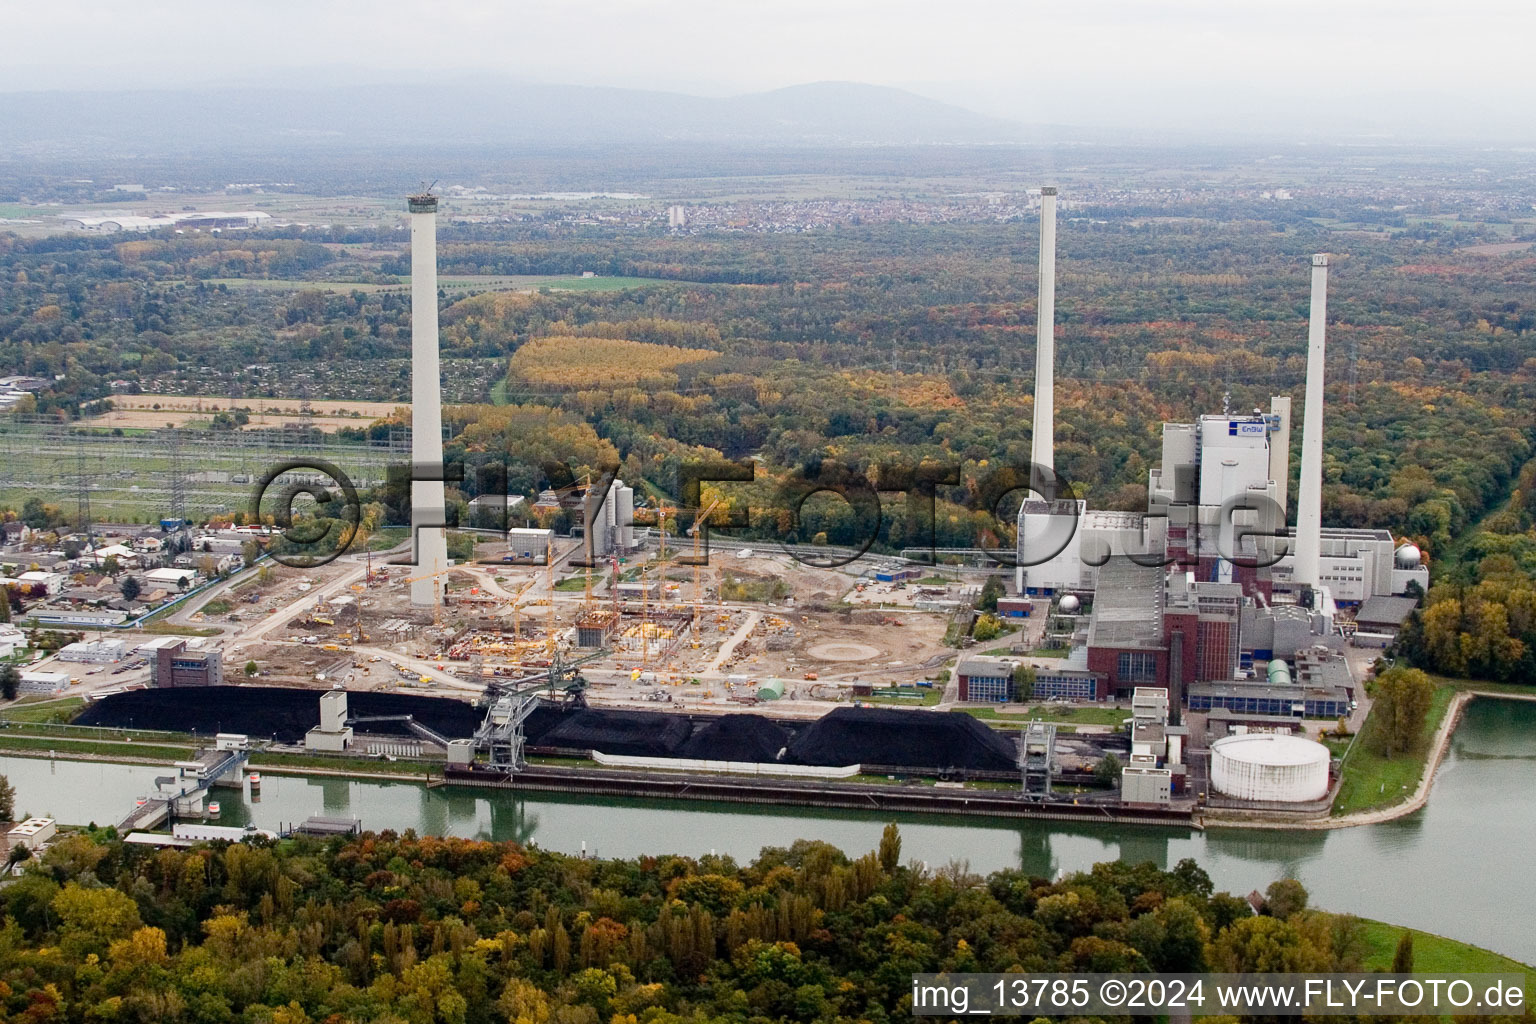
(427, 498)
(1043, 439)
(1309, 503)
(1280, 452)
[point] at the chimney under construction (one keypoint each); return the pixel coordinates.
(1309, 503)
(1043, 439)
(428, 502)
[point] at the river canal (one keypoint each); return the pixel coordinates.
(1457, 867)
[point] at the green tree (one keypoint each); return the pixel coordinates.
(10, 683)
(1260, 945)
(1402, 959)
(1402, 700)
(990, 592)
(890, 848)
(7, 800)
(1023, 682)
(1285, 897)
(131, 588)
(250, 668)
(33, 513)
(91, 919)
(1107, 770)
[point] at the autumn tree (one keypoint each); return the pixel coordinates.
(1402, 700)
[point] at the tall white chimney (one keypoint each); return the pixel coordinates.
(428, 502)
(1043, 437)
(1309, 502)
(1280, 452)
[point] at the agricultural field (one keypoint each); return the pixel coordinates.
(577, 362)
(151, 412)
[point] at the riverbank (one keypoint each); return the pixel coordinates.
(1439, 743)
(863, 794)
(1435, 954)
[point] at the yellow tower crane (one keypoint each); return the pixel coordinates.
(549, 585)
(517, 616)
(437, 604)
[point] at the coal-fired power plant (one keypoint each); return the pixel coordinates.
(429, 539)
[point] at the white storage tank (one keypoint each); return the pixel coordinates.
(1270, 766)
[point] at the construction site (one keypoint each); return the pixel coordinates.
(657, 635)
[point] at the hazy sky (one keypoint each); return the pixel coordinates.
(1369, 65)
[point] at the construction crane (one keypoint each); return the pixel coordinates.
(661, 527)
(696, 533)
(549, 584)
(517, 617)
(359, 589)
(437, 603)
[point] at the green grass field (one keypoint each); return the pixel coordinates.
(102, 748)
(924, 698)
(1434, 954)
(44, 711)
(1370, 781)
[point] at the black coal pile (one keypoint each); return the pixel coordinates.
(263, 711)
(905, 739)
(737, 738)
(627, 733)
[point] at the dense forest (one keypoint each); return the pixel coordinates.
(873, 346)
(400, 929)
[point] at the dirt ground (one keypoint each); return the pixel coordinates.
(139, 412)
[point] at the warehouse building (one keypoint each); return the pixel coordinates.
(530, 545)
(94, 652)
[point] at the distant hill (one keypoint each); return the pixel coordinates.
(479, 111)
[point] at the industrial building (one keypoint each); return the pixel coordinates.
(1266, 698)
(333, 733)
(530, 545)
(608, 520)
(983, 677)
(1210, 580)
(207, 220)
(1270, 767)
(1140, 784)
(1156, 770)
(34, 833)
(11, 640)
(173, 662)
